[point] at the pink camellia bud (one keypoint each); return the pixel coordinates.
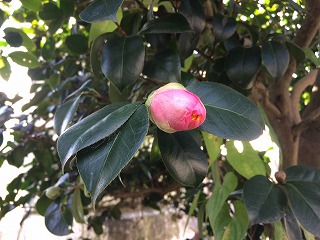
(172, 108)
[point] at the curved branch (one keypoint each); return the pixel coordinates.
(298, 89)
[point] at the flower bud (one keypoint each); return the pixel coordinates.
(172, 108)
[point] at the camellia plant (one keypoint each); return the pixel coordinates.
(136, 99)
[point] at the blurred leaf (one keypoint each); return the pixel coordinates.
(100, 166)
(213, 144)
(64, 115)
(164, 67)
(122, 60)
(279, 231)
(216, 203)
(25, 59)
(33, 5)
(275, 58)
(14, 39)
(101, 10)
(311, 55)
(265, 201)
(38, 97)
(242, 64)
(238, 224)
(50, 11)
(296, 52)
(229, 113)
(48, 48)
(42, 204)
(172, 23)
(77, 43)
(77, 207)
(93, 128)
(246, 162)
(5, 69)
(223, 27)
(183, 157)
(26, 41)
(67, 7)
(54, 220)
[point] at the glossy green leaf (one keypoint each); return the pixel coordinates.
(77, 207)
(229, 113)
(101, 10)
(223, 27)
(172, 23)
(54, 220)
(242, 64)
(302, 174)
(304, 200)
(50, 11)
(217, 200)
(193, 10)
(122, 60)
(275, 58)
(77, 43)
(93, 128)
(99, 166)
(213, 144)
(292, 226)
(164, 67)
(238, 224)
(48, 48)
(265, 201)
(183, 157)
(25, 59)
(245, 161)
(33, 5)
(296, 51)
(64, 115)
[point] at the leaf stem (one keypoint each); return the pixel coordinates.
(122, 32)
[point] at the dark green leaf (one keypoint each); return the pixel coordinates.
(50, 11)
(34, 5)
(77, 43)
(296, 52)
(242, 64)
(54, 220)
(216, 203)
(38, 97)
(93, 128)
(95, 53)
(292, 225)
(130, 23)
(14, 39)
(101, 10)
(48, 49)
(172, 23)
(42, 204)
(304, 200)
(302, 174)
(229, 113)
(223, 27)
(164, 67)
(16, 158)
(123, 60)
(100, 166)
(275, 58)
(194, 12)
(77, 207)
(187, 43)
(64, 115)
(245, 161)
(26, 59)
(67, 7)
(183, 157)
(265, 201)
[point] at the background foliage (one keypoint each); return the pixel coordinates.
(87, 130)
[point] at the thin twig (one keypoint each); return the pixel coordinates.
(314, 116)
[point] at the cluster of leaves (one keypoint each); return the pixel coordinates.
(93, 67)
